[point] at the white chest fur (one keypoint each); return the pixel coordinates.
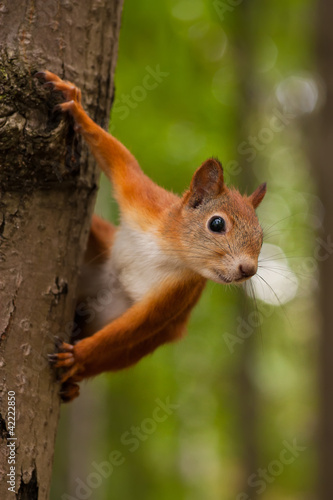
(139, 261)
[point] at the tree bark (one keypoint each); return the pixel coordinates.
(47, 192)
(322, 153)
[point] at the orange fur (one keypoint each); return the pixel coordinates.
(159, 258)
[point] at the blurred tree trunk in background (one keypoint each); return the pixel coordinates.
(47, 193)
(322, 161)
(244, 39)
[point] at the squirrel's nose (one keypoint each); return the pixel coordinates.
(247, 269)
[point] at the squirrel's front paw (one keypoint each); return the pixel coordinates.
(66, 359)
(71, 93)
(71, 370)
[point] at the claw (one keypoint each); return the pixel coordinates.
(61, 360)
(65, 360)
(53, 358)
(67, 347)
(71, 93)
(47, 75)
(70, 369)
(49, 85)
(61, 345)
(40, 74)
(58, 341)
(57, 108)
(64, 106)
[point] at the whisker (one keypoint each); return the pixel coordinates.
(282, 272)
(254, 298)
(277, 298)
(277, 256)
(272, 234)
(280, 220)
(286, 273)
(250, 292)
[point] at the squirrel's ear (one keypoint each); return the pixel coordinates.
(207, 182)
(256, 197)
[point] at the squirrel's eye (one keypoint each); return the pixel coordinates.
(217, 225)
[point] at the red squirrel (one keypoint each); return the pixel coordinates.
(158, 259)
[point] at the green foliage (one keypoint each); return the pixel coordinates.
(194, 108)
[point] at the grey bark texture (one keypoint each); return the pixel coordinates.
(47, 193)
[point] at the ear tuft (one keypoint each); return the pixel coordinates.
(207, 182)
(256, 197)
(216, 160)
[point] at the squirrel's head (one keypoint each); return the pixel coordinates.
(220, 232)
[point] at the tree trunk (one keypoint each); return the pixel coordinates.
(245, 22)
(47, 193)
(322, 162)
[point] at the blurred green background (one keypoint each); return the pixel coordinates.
(235, 80)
